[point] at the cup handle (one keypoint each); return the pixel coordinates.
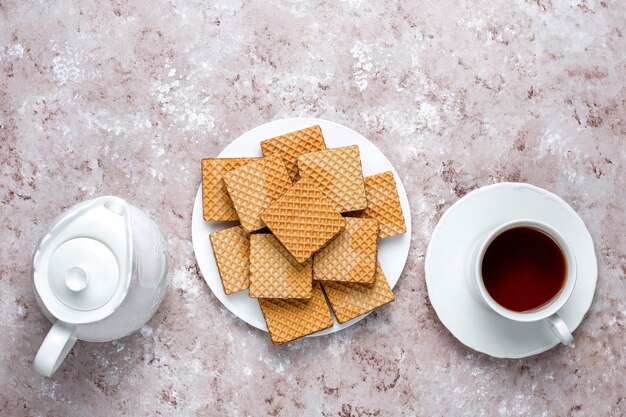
(560, 329)
(55, 348)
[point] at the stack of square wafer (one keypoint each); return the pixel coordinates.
(307, 238)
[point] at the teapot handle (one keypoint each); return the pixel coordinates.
(55, 348)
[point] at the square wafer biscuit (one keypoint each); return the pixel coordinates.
(291, 145)
(351, 256)
(337, 173)
(274, 273)
(231, 248)
(288, 320)
(216, 202)
(383, 204)
(254, 186)
(303, 219)
(349, 300)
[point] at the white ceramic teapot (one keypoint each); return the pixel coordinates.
(100, 273)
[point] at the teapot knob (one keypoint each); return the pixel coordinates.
(76, 279)
(83, 274)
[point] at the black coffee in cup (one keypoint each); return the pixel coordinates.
(523, 269)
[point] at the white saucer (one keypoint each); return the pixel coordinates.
(392, 252)
(447, 268)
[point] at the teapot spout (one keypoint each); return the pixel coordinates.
(116, 205)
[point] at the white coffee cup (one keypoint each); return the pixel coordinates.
(549, 311)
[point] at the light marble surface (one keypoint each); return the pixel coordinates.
(125, 98)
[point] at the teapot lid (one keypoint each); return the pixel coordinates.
(82, 267)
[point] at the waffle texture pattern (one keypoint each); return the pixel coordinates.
(288, 320)
(383, 204)
(338, 174)
(232, 252)
(216, 202)
(351, 256)
(274, 273)
(291, 145)
(254, 186)
(303, 219)
(349, 300)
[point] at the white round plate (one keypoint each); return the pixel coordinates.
(392, 252)
(448, 270)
